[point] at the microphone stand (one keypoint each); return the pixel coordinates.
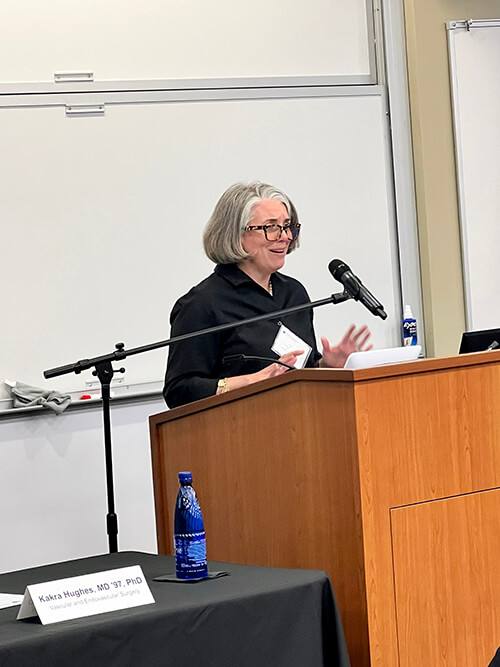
(104, 371)
(253, 357)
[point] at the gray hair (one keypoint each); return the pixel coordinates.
(232, 213)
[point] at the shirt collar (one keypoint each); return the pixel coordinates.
(233, 274)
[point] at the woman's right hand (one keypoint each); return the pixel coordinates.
(270, 371)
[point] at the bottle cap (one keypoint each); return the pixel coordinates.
(407, 313)
(185, 476)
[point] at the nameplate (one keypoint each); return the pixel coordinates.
(86, 595)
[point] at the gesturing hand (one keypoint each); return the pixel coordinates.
(355, 340)
(289, 358)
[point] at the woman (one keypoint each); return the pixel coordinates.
(252, 229)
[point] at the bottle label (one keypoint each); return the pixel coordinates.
(190, 555)
(409, 332)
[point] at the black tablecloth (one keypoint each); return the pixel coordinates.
(256, 617)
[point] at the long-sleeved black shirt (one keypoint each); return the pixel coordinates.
(196, 365)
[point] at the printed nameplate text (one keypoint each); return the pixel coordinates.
(89, 594)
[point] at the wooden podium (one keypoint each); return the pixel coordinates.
(387, 478)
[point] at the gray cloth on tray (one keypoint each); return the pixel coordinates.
(25, 396)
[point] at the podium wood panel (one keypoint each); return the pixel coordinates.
(446, 564)
(304, 470)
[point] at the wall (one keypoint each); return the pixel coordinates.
(434, 163)
(53, 490)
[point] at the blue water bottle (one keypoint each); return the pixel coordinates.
(409, 327)
(189, 533)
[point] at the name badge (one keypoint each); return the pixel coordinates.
(86, 595)
(287, 341)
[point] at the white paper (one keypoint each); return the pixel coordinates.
(9, 600)
(86, 595)
(287, 341)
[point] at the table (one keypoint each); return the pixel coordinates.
(267, 617)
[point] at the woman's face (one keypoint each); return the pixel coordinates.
(266, 256)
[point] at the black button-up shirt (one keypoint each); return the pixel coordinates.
(196, 365)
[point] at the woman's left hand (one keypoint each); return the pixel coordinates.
(355, 340)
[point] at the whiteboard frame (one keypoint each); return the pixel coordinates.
(385, 27)
(392, 43)
(50, 101)
(190, 84)
(81, 86)
(451, 27)
(215, 94)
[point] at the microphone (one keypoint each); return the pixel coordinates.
(355, 288)
(245, 357)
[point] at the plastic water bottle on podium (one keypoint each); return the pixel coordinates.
(189, 532)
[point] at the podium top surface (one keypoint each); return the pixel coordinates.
(333, 375)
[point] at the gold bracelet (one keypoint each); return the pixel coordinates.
(222, 385)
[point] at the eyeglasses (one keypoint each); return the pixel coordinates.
(273, 232)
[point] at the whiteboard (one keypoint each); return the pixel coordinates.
(102, 217)
(474, 50)
(151, 40)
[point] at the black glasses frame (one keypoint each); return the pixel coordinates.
(294, 229)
